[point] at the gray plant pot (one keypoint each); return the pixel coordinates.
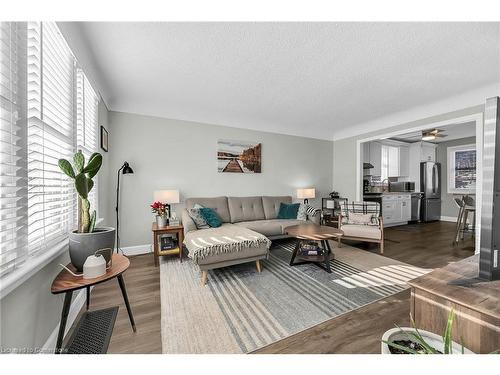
(83, 245)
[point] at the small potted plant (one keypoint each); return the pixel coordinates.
(160, 210)
(334, 194)
(410, 340)
(86, 239)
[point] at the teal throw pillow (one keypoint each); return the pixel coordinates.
(211, 217)
(288, 211)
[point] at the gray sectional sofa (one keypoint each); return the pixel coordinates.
(249, 222)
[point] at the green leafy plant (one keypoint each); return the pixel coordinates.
(82, 175)
(424, 347)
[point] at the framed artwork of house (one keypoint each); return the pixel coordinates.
(461, 169)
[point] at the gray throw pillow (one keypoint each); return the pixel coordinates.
(197, 217)
(302, 212)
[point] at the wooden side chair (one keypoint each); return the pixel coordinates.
(361, 221)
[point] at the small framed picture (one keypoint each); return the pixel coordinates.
(104, 139)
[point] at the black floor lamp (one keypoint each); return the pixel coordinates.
(125, 169)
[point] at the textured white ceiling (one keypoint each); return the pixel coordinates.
(310, 79)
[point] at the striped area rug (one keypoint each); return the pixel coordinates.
(240, 310)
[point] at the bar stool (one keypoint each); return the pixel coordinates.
(469, 208)
(461, 206)
(466, 205)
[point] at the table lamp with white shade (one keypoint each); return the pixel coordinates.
(306, 193)
(168, 197)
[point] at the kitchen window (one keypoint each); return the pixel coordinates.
(389, 162)
(48, 111)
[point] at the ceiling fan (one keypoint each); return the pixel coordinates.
(431, 134)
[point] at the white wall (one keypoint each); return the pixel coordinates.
(173, 154)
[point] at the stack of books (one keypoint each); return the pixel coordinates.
(310, 249)
(168, 242)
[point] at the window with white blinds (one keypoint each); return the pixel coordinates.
(51, 135)
(87, 103)
(48, 111)
(13, 169)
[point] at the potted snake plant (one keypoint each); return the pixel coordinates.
(86, 239)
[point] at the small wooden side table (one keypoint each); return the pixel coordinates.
(158, 231)
(67, 283)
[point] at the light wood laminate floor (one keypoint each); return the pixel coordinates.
(423, 245)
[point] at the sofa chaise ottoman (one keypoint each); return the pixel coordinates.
(249, 226)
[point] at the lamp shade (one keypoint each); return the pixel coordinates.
(167, 196)
(306, 193)
(127, 168)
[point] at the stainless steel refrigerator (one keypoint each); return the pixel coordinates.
(430, 186)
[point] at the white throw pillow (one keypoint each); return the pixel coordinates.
(199, 220)
(360, 219)
(302, 212)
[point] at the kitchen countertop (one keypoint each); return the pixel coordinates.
(390, 193)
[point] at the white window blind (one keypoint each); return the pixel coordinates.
(389, 162)
(51, 135)
(13, 178)
(384, 163)
(48, 110)
(87, 103)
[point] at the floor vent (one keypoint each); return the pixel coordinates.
(93, 332)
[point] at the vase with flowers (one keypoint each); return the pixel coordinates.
(161, 212)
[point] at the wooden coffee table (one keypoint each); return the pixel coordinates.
(313, 232)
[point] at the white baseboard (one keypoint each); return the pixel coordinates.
(448, 218)
(137, 250)
(75, 308)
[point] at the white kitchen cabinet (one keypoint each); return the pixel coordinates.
(406, 207)
(419, 152)
(428, 152)
(376, 158)
(391, 209)
(396, 209)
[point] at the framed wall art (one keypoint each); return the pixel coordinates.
(239, 156)
(104, 139)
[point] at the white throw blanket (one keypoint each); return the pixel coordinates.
(227, 238)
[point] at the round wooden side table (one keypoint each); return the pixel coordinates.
(66, 283)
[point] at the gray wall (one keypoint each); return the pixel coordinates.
(448, 206)
(30, 313)
(173, 154)
(344, 150)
